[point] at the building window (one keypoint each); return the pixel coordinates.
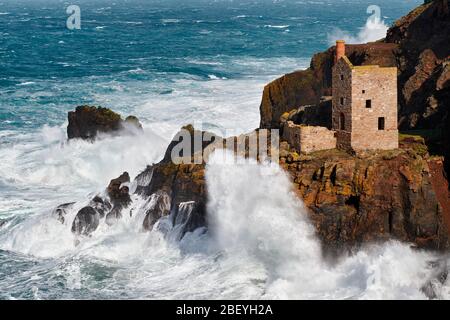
(368, 104)
(342, 100)
(342, 77)
(381, 123)
(364, 91)
(342, 121)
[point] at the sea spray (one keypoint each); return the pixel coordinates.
(260, 244)
(254, 214)
(374, 29)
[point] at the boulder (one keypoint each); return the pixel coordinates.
(86, 221)
(160, 203)
(118, 190)
(86, 122)
(189, 216)
(60, 211)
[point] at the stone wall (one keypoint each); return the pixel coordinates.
(379, 85)
(316, 138)
(307, 139)
(291, 134)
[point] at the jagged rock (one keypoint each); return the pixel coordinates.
(86, 221)
(133, 121)
(189, 216)
(118, 190)
(160, 204)
(87, 121)
(102, 206)
(60, 211)
(114, 215)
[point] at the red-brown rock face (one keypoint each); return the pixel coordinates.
(374, 197)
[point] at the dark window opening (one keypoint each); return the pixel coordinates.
(342, 121)
(368, 104)
(342, 77)
(354, 201)
(342, 101)
(381, 123)
(364, 91)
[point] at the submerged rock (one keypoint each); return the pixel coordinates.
(60, 211)
(86, 221)
(87, 121)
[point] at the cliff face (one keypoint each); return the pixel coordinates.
(418, 44)
(372, 197)
(424, 65)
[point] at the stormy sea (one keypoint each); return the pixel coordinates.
(170, 63)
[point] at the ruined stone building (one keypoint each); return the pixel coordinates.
(364, 110)
(364, 114)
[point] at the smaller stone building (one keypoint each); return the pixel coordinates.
(307, 139)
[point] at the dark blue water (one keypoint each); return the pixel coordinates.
(159, 39)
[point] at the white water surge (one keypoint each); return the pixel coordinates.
(260, 245)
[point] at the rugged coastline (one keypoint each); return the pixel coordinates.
(352, 199)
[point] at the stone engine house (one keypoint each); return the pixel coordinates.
(364, 114)
(364, 110)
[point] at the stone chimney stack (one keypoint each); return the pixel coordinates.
(340, 50)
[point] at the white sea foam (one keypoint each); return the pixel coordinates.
(373, 30)
(260, 245)
(256, 216)
(276, 27)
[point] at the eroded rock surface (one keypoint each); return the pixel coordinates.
(86, 122)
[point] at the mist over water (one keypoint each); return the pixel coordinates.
(170, 64)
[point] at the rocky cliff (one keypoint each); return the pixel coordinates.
(86, 122)
(375, 196)
(370, 197)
